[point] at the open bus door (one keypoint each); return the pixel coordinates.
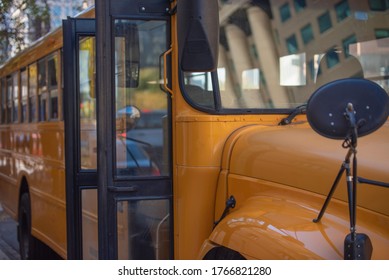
(118, 133)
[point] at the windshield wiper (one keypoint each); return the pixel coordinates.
(298, 110)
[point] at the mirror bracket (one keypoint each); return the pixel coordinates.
(332, 111)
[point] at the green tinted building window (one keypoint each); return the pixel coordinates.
(299, 5)
(346, 44)
(381, 33)
(285, 12)
(342, 10)
(307, 33)
(324, 22)
(291, 44)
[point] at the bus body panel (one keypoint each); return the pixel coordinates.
(278, 225)
(200, 139)
(310, 162)
(41, 165)
(280, 186)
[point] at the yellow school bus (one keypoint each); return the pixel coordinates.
(201, 130)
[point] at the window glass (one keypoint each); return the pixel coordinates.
(307, 33)
(342, 10)
(378, 5)
(285, 12)
(332, 58)
(143, 229)
(264, 63)
(32, 91)
(90, 244)
(52, 65)
(88, 134)
(3, 101)
(299, 5)
(24, 96)
(42, 90)
(324, 22)
(9, 100)
(291, 44)
(141, 106)
(381, 33)
(351, 40)
(15, 89)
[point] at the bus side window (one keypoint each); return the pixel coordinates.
(9, 100)
(24, 95)
(3, 101)
(52, 66)
(42, 90)
(15, 91)
(32, 91)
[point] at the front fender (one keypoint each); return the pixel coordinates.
(278, 224)
(273, 227)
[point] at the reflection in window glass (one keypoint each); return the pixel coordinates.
(342, 10)
(15, 107)
(254, 37)
(285, 12)
(24, 95)
(144, 229)
(332, 58)
(307, 33)
(378, 5)
(347, 42)
(299, 5)
(42, 90)
(3, 101)
(89, 224)
(381, 33)
(42, 81)
(142, 138)
(198, 86)
(88, 132)
(291, 44)
(292, 68)
(32, 91)
(52, 65)
(9, 100)
(324, 22)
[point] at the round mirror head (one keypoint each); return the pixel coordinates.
(327, 106)
(130, 114)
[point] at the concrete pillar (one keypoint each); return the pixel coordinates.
(267, 50)
(242, 61)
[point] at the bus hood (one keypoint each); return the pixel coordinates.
(279, 177)
(296, 156)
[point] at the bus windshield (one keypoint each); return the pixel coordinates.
(275, 54)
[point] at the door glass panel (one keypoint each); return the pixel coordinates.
(141, 107)
(143, 229)
(87, 74)
(89, 224)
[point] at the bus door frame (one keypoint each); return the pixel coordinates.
(111, 190)
(76, 179)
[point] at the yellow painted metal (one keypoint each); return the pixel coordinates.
(279, 177)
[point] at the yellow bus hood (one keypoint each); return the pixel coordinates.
(298, 157)
(280, 177)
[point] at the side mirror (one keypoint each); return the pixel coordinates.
(198, 34)
(327, 106)
(345, 109)
(130, 35)
(126, 118)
